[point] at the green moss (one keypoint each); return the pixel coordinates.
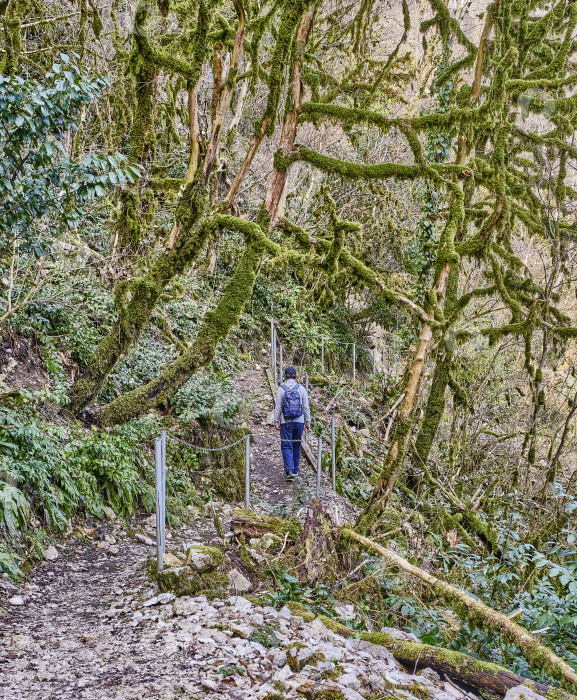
(268, 523)
(335, 626)
(325, 694)
(244, 554)
(299, 609)
(206, 558)
(333, 673)
(293, 663)
(185, 581)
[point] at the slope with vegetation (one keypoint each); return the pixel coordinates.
(173, 175)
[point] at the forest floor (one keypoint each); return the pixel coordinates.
(76, 628)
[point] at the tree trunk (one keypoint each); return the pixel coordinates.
(319, 556)
(436, 401)
(395, 458)
(482, 616)
(215, 327)
(479, 674)
(135, 299)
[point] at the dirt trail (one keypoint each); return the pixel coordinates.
(72, 638)
(270, 491)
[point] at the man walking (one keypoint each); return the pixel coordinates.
(291, 416)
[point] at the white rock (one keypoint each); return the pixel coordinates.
(283, 674)
(150, 601)
(243, 631)
(374, 650)
(209, 685)
(351, 694)
(285, 613)
(165, 598)
(522, 692)
(349, 680)
(16, 600)
(345, 612)
(51, 554)
(185, 606)
(278, 657)
(239, 582)
(240, 603)
(257, 619)
(431, 676)
(139, 537)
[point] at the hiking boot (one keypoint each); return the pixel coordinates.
(290, 477)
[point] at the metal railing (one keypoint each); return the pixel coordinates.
(277, 359)
(160, 474)
(278, 350)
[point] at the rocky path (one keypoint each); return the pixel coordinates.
(90, 625)
(92, 628)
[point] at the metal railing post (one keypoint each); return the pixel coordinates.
(383, 359)
(272, 347)
(374, 362)
(333, 454)
(281, 366)
(247, 472)
(354, 362)
(274, 371)
(319, 464)
(158, 489)
(163, 488)
(307, 439)
(322, 354)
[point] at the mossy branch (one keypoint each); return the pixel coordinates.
(480, 615)
(359, 171)
(474, 672)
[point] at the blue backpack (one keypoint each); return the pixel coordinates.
(291, 403)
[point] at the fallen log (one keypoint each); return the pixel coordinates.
(250, 524)
(478, 674)
(482, 616)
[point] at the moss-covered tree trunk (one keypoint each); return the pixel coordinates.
(13, 16)
(399, 444)
(215, 327)
(436, 401)
(482, 616)
(136, 298)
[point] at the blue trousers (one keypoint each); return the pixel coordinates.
(291, 451)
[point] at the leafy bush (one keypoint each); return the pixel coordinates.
(318, 599)
(209, 394)
(48, 472)
(37, 177)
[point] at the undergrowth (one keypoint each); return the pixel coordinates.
(50, 473)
